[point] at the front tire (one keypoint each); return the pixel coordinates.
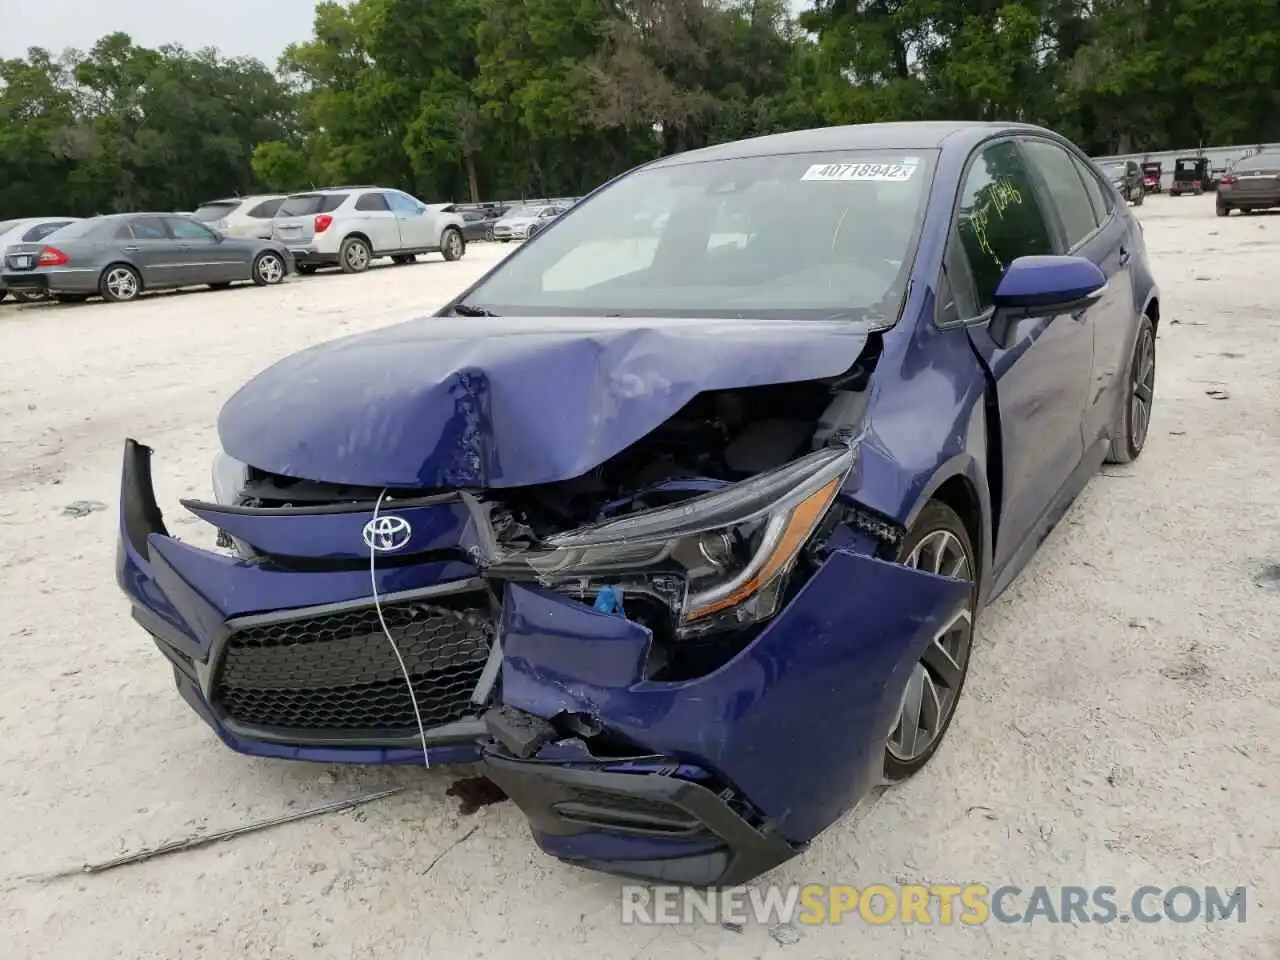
(269, 269)
(452, 246)
(120, 283)
(354, 255)
(939, 543)
(1132, 424)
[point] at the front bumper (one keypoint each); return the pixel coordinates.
(708, 779)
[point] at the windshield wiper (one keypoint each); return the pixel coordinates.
(466, 310)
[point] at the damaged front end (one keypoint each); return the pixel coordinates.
(682, 665)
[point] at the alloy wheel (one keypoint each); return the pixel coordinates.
(122, 283)
(270, 269)
(1143, 388)
(357, 256)
(452, 245)
(934, 686)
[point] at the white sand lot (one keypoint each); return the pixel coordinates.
(1119, 725)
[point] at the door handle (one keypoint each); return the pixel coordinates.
(131, 248)
(1124, 256)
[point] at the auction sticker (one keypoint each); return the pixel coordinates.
(845, 172)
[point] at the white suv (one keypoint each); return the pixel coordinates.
(348, 227)
(248, 217)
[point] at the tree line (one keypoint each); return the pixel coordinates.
(494, 99)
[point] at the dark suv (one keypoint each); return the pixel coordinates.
(1126, 177)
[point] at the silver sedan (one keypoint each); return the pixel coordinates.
(120, 256)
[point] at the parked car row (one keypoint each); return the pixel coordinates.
(260, 239)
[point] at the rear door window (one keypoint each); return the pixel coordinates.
(1000, 218)
(266, 209)
(148, 228)
(372, 201)
(1066, 188)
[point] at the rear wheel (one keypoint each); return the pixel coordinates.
(937, 543)
(1223, 210)
(354, 255)
(1133, 420)
(120, 283)
(268, 269)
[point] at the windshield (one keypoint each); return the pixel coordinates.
(802, 236)
(209, 212)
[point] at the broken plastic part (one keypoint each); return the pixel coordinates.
(609, 600)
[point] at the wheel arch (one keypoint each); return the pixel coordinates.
(121, 262)
(961, 483)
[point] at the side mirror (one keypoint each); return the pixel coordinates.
(218, 236)
(1037, 287)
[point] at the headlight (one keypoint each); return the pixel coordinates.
(229, 479)
(717, 560)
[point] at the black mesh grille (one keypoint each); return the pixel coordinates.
(338, 672)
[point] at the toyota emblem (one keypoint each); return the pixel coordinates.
(387, 534)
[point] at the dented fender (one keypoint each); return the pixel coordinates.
(796, 721)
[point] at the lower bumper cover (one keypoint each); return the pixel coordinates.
(649, 826)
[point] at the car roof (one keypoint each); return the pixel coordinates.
(921, 135)
(245, 199)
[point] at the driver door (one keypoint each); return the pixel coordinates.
(417, 227)
(1041, 375)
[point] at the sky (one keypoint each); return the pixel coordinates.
(258, 28)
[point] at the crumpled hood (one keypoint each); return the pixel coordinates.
(505, 402)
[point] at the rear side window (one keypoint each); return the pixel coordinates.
(42, 230)
(306, 204)
(372, 201)
(209, 212)
(266, 209)
(1062, 176)
(1000, 218)
(148, 228)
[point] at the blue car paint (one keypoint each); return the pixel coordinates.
(795, 722)
(500, 403)
(818, 671)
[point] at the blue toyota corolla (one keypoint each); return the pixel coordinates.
(680, 520)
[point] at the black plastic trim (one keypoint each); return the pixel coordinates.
(141, 514)
(544, 791)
